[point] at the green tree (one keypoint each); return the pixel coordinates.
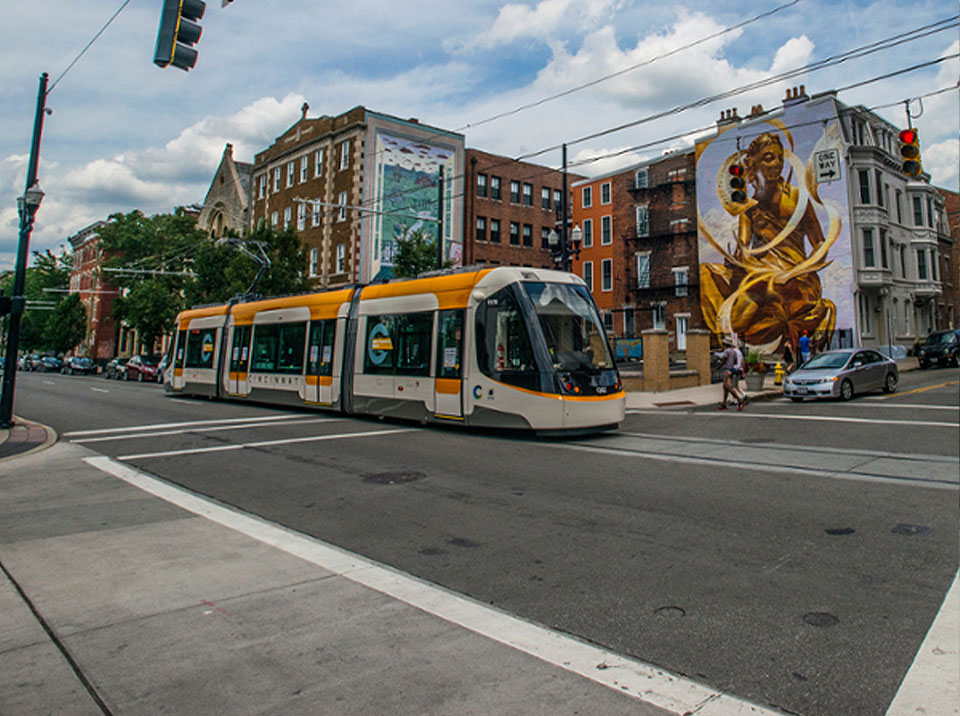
(48, 271)
(150, 307)
(416, 253)
(67, 325)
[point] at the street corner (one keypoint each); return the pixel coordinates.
(23, 437)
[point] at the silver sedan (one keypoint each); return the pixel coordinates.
(841, 373)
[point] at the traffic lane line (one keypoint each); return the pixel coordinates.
(633, 678)
(214, 429)
(922, 389)
(931, 683)
(823, 418)
(187, 423)
(261, 443)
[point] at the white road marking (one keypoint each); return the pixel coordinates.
(930, 684)
(632, 677)
(100, 390)
(162, 426)
(49, 382)
(262, 443)
(815, 418)
(912, 406)
(217, 428)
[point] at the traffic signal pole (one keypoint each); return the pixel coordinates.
(27, 205)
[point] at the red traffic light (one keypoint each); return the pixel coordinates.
(908, 136)
(736, 170)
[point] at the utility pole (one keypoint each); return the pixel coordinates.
(564, 254)
(27, 206)
(440, 220)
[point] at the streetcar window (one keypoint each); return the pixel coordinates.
(200, 345)
(398, 344)
(278, 347)
(575, 337)
(504, 350)
(240, 352)
(181, 348)
(320, 350)
(449, 344)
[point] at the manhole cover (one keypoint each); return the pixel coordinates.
(840, 531)
(911, 530)
(820, 619)
(393, 478)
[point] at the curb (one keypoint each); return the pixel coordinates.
(20, 448)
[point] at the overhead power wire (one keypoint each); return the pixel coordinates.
(87, 47)
(631, 68)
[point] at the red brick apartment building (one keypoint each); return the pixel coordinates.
(948, 303)
(639, 247)
(100, 340)
(510, 208)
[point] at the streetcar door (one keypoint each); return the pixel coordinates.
(449, 364)
(239, 359)
(319, 382)
(179, 357)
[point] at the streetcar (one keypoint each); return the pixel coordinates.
(502, 347)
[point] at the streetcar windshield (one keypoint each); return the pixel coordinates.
(571, 327)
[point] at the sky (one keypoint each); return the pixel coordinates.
(515, 78)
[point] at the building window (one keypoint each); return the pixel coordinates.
(314, 259)
(274, 218)
(640, 179)
(906, 317)
(315, 215)
(922, 264)
(514, 192)
(481, 228)
(345, 155)
(659, 318)
(544, 237)
(629, 322)
(287, 217)
(494, 231)
(903, 261)
(587, 197)
(528, 194)
(494, 187)
(514, 233)
(545, 198)
(643, 220)
(303, 168)
(262, 186)
(864, 314)
(606, 275)
(917, 211)
(588, 274)
(481, 185)
(342, 202)
(680, 281)
(587, 233)
(899, 206)
(318, 162)
(606, 233)
(290, 170)
(276, 179)
(608, 322)
(864, 186)
(883, 249)
(557, 197)
(930, 213)
(528, 235)
(301, 216)
(643, 270)
(933, 264)
(605, 193)
(341, 258)
(868, 259)
(879, 176)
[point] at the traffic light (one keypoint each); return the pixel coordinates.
(737, 184)
(910, 151)
(178, 30)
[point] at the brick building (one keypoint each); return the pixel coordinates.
(948, 305)
(510, 210)
(354, 184)
(639, 246)
(100, 340)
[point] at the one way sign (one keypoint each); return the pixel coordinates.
(828, 165)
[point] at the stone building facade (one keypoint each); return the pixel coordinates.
(100, 340)
(227, 204)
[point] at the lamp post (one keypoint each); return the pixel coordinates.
(27, 206)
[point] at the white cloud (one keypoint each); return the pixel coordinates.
(942, 161)
(517, 21)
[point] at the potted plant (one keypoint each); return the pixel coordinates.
(756, 369)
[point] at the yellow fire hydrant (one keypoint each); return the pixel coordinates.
(778, 373)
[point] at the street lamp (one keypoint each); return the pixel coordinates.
(27, 206)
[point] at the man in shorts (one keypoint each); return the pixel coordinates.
(731, 363)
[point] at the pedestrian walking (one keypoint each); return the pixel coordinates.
(787, 358)
(804, 345)
(731, 363)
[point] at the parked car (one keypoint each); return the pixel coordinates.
(162, 368)
(841, 374)
(114, 369)
(78, 365)
(143, 369)
(50, 364)
(30, 361)
(940, 348)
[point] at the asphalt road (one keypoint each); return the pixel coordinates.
(762, 552)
